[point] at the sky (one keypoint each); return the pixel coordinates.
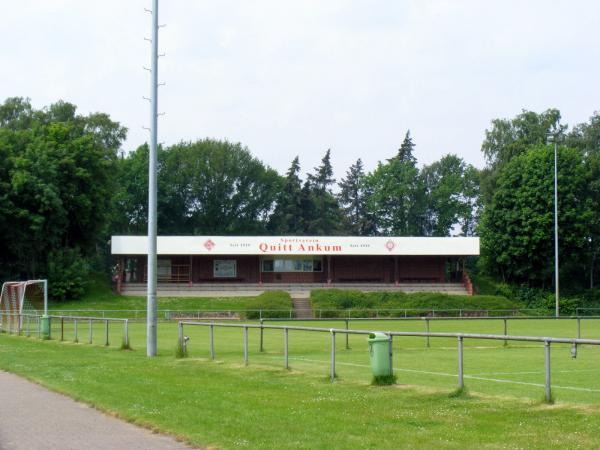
(289, 78)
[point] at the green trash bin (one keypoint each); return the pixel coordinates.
(380, 354)
(45, 326)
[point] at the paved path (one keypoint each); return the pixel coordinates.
(32, 418)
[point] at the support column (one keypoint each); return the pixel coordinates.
(329, 277)
(260, 267)
(396, 280)
(191, 271)
(120, 268)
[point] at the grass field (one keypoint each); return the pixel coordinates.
(225, 404)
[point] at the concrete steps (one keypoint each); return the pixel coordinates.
(295, 290)
(302, 308)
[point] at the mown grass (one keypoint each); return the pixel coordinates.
(225, 404)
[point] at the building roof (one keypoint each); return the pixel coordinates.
(297, 245)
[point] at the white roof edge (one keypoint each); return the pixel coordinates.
(298, 245)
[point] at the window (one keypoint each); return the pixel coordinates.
(225, 268)
(292, 265)
(163, 269)
(267, 265)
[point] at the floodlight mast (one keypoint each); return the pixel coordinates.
(556, 292)
(554, 138)
(152, 209)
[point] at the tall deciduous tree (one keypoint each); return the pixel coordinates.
(58, 180)
(452, 193)
(509, 138)
(204, 187)
(517, 225)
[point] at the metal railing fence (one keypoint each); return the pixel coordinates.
(460, 337)
(427, 321)
(587, 311)
(252, 314)
(22, 324)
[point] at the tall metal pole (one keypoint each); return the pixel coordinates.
(152, 210)
(556, 285)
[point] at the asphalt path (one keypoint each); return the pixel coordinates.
(32, 418)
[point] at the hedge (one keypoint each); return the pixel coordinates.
(421, 302)
(269, 300)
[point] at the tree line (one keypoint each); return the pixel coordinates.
(66, 186)
(218, 187)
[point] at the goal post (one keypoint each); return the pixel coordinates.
(19, 298)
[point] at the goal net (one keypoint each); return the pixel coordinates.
(19, 298)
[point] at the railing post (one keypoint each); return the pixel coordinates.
(547, 372)
(91, 332)
(75, 330)
(246, 345)
(212, 341)
(461, 383)
(106, 333)
(285, 348)
(180, 335)
(62, 328)
(126, 340)
(505, 331)
(347, 344)
(39, 327)
(332, 368)
(261, 335)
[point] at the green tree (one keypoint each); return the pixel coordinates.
(509, 138)
(58, 179)
(321, 211)
(204, 187)
(452, 193)
(517, 225)
(353, 198)
(287, 216)
(397, 200)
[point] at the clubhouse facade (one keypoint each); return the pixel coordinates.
(310, 261)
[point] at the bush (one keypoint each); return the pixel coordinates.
(335, 302)
(67, 273)
(269, 300)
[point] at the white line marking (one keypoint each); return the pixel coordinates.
(444, 374)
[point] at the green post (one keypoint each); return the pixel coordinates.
(46, 324)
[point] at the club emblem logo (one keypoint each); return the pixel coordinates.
(209, 245)
(390, 245)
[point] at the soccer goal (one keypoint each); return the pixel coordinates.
(19, 298)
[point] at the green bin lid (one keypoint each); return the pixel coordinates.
(378, 336)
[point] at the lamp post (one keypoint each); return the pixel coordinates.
(553, 138)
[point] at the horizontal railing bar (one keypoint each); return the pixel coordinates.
(343, 319)
(99, 319)
(404, 333)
